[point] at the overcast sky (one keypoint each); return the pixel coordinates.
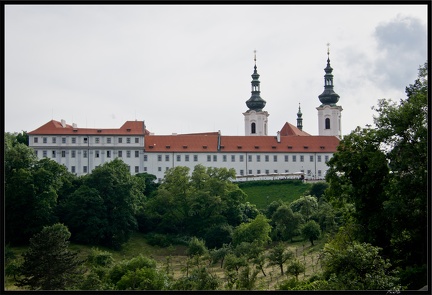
(187, 68)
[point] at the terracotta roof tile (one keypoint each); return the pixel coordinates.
(290, 130)
(55, 128)
(181, 143)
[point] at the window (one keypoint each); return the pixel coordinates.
(85, 139)
(128, 154)
(267, 171)
(253, 128)
(108, 154)
(311, 158)
(319, 158)
(136, 140)
(250, 172)
(232, 158)
(327, 123)
(73, 140)
(258, 171)
(309, 172)
(301, 158)
(159, 169)
(128, 140)
(166, 158)
(35, 140)
(294, 158)
(250, 158)
(85, 154)
(136, 169)
(166, 168)
(319, 173)
(97, 154)
(136, 154)
(195, 158)
(286, 158)
(44, 140)
(326, 158)
(178, 158)
(63, 154)
(85, 169)
(214, 158)
(63, 139)
(258, 158)
(224, 158)
(36, 153)
(241, 158)
(145, 158)
(73, 154)
(54, 140)
(275, 158)
(187, 158)
(208, 158)
(108, 140)
(120, 154)
(44, 154)
(145, 169)
(97, 140)
(53, 154)
(241, 172)
(266, 158)
(275, 171)
(73, 169)
(159, 158)
(120, 140)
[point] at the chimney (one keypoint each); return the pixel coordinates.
(278, 137)
(63, 123)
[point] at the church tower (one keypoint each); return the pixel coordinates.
(255, 118)
(329, 114)
(299, 119)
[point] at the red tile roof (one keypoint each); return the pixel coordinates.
(232, 144)
(290, 130)
(56, 128)
(181, 143)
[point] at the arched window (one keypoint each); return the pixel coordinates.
(327, 123)
(253, 128)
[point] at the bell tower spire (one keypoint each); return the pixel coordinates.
(255, 118)
(329, 114)
(299, 119)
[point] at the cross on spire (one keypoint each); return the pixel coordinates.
(328, 49)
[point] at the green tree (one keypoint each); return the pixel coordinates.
(257, 230)
(382, 172)
(357, 266)
(295, 268)
(287, 223)
(117, 188)
(143, 279)
(311, 231)
(196, 247)
(317, 189)
(31, 195)
(85, 214)
(279, 255)
(123, 267)
(48, 262)
(306, 205)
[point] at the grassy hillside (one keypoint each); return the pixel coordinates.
(262, 193)
(175, 258)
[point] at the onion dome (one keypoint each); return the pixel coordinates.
(255, 102)
(328, 97)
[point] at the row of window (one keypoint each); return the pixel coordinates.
(85, 140)
(97, 154)
(187, 157)
(241, 158)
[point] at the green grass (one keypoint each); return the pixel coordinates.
(262, 193)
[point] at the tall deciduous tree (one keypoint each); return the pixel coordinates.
(383, 173)
(279, 255)
(116, 187)
(48, 262)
